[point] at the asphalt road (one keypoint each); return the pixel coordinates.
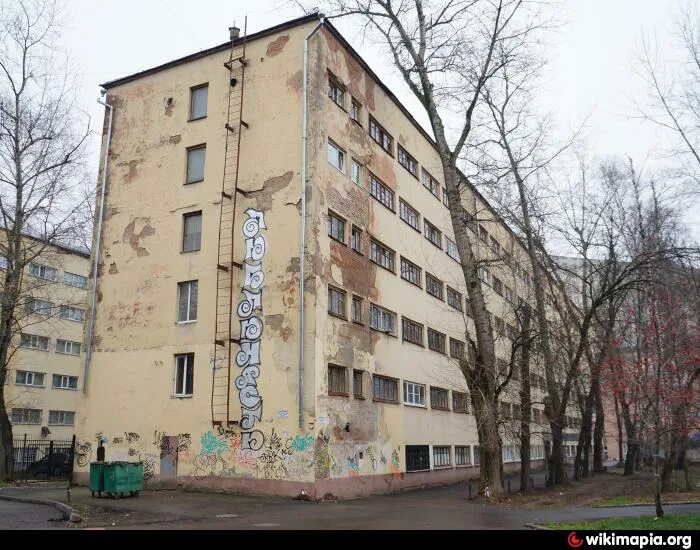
(18, 515)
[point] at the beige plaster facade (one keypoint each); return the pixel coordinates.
(355, 436)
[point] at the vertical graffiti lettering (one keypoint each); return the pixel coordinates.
(248, 356)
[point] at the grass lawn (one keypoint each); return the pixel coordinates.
(674, 521)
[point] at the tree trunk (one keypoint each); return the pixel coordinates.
(490, 472)
(618, 420)
(525, 403)
(598, 432)
(632, 444)
(584, 438)
(557, 473)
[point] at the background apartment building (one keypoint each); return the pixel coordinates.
(46, 366)
(206, 364)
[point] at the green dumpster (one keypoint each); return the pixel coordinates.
(97, 480)
(123, 477)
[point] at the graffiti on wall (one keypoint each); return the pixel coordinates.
(83, 453)
(248, 356)
(272, 463)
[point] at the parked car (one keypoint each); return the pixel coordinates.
(60, 465)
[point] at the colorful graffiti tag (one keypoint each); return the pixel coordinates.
(248, 356)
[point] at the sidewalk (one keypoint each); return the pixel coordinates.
(437, 508)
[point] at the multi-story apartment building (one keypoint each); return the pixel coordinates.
(45, 370)
(280, 303)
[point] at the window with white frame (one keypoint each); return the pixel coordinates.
(43, 271)
(195, 163)
(407, 161)
(336, 91)
(451, 249)
(356, 111)
(199, 96)
(66, 346)
(29, 378)
(336, 227)
(409, 214)
(336, 156)
(382, 319)
(32, 341)
(441, 456)
(39, 307)
(187, 297)
(62, 418)
(357, 310)
(64, 382)
(431, 184)
(381, 192)
(433, 234)
(356, 172)
(26, 416)
(184, 375)
(71, 313)
(356, 239)
(381, 136)
(410, 272)
(462, 455)
(71, 279)
(414, 394)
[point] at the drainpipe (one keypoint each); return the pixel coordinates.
(302, 255)
(96, 255)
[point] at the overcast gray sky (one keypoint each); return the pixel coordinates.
(591, 74)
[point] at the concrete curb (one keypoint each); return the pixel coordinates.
(632, 505)
(66, 511)
(537, 527)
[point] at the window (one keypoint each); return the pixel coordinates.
(456, 349)
(385, 389)
(357, 385)
(195, 163)
(407, 161)
(192, 231)
(510, 295)
(336, 156)
(409, 215)
(462, 455)
(336, 302)
(64, 382)
(381, 136)
(381, 192)
(356, 172)
(382, 319)
(498, 285)
(433, 286)
(468, 307)
(337, 380)
(381, 255)
(410, 272)
(184, 375)
(187, 293)
(357, 309)
(3, 262)
(336, 92)
(441, 457)
(411, 331)
(72, 313)
(336, 227)
(26, 416)
(477, 458)
(445, 200)
(495, 246)
(356, 239)
(451, 249)
(40, 307)
(31, 341)
(414, 394)
(433, 234)
(439, 399)
(469, 220)
(485, 275)
(66, 346)
(500, 326)
(460, 402)
(516, 411)
(431, 184)
(43, 272)
(483, 235)
(454, 298)
(198, 101)
(355, 111)
(71, 279)
(29, 378)
(436, 341)
(65, 418)
(417, 458)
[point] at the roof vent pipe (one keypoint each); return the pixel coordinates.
(234, 32)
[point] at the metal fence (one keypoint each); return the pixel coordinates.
(41, 458)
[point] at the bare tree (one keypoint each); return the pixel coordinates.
(674, 91)
(41, 150)
(444, 51)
